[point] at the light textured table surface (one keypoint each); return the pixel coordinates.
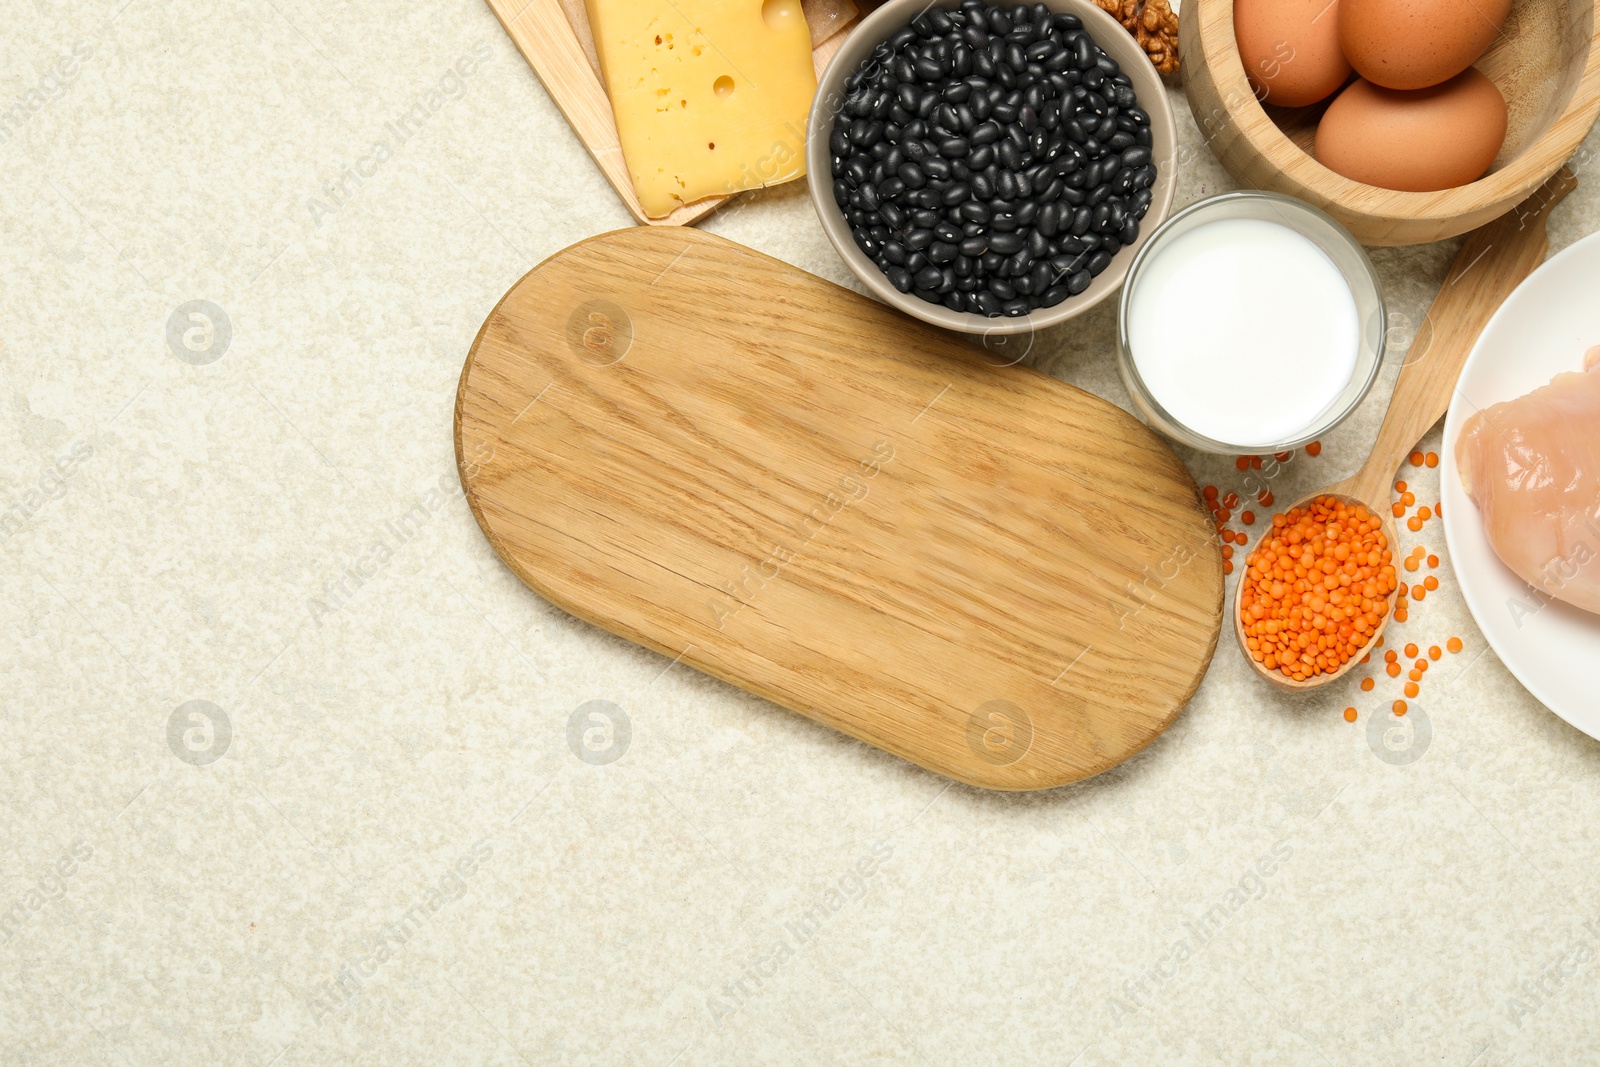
(377, 843)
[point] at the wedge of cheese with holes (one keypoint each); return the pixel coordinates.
(710, 96)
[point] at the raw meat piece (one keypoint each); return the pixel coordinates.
(1532, 465)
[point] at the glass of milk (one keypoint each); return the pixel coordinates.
(1250, 323)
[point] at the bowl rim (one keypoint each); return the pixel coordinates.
(1510, 184)
(881, 24)
(1140, 390)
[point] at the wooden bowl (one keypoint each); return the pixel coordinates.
(1546, 63)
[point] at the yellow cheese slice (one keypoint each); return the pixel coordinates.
(710, 96)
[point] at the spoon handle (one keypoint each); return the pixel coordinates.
(1493, 262)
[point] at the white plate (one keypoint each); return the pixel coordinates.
(1543, 329)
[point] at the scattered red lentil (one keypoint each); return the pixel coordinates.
(1416, 459)
(1435, 652)
(1412, 689)
(1430, 583)
(1433, 561)
(1454, 644)
(1349, 714)
(1432, 459)
(1248, 518)
(1399, 707)
(1314, 448)
(1367, 685)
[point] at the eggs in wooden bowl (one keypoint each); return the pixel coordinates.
(1422, 159)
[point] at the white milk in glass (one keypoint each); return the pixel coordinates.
(1244, 331)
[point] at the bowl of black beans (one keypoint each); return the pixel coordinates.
(991, 168)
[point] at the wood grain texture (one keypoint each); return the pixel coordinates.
(790, 487)
(1492, 262)
(1546, 63)
(542, 33)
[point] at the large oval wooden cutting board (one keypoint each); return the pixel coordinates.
(781, 483)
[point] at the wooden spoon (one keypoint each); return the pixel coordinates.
(1493, 262)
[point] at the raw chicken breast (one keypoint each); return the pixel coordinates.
(1532, 465)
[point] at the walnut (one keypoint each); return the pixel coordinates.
(1152, 24)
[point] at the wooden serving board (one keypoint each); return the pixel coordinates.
(795, 489)
(543, 34)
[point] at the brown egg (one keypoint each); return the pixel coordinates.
(1418, 141)
(1412, 44)
(1290, 49)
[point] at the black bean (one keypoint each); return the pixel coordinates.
(956, 193)
(919, 238)
(941, 252)
(1099, 262)
(1136, 157)
(1016, 308)
(900, 278)
(925, 219)
(1002, 289)
(975, 211)
(1079, 282)
(912, 175)
(1053, 295)
(1084, 52)
(1050, 220)
(946, 231)
(1120, 140)
(928, 278)
(982, 187)
(954, 147)
(1094, 77)
(981, 157)
(916, 261)
(1005, 243)
(974, 246)
(985, 133)
(937, 168)
(1082, 218)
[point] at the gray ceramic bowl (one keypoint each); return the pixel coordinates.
(884, 23)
